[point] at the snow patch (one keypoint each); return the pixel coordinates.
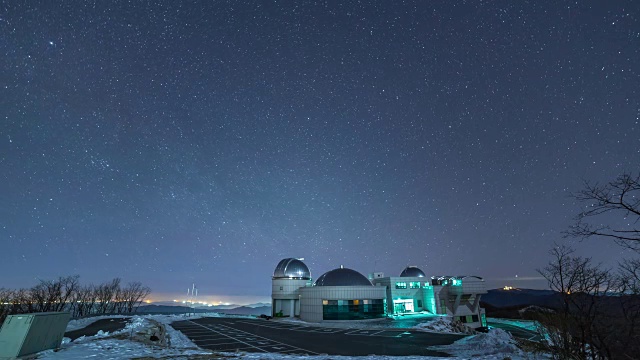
(497, 343)
(443, 324)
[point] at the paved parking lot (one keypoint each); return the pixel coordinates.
(241, 334)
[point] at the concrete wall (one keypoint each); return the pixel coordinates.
(421, 294)
(311, 298)
(286, 288)
(462, 300)
(285, 296)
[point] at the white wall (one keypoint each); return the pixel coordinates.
(311, 298)
(285, 295)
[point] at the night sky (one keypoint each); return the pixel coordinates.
(172, 143)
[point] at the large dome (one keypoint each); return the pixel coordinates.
(412, 271)
(342, 277)
(291, 268)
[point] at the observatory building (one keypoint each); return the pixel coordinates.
(345, 294)
(290, 276)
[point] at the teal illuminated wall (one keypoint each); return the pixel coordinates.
(352, 309)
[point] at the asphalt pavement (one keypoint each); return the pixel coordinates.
(109, 325)
(249, 335)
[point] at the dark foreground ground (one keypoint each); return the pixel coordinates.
(228, 334)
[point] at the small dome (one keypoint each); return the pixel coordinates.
(291, 268)
(412, 271)
(342, 277)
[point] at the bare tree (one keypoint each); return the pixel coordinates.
(106, 293)
(6, 297)
(68, 287)
(620, 196)
(578, 327)
(86, 299)
(628, 289)
(135, 293)
(66, 294)
(39, 297)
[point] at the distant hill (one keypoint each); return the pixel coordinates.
(501, 298)
(246, 310)
(168, 309)
(207, 307)
(172, 309)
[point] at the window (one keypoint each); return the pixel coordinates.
(401, 285)
(414, 285)
(352, 309)
(280, 287)
(419, 303)
(474, 318)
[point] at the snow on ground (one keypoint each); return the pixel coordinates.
(119, 345)
(112, 349)
(497, 344)
(442, 324)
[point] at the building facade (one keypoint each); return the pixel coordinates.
(459, 296)
(345, 294)
(289, 277)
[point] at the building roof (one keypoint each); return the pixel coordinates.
(291, 268)
(459, 277)
(342, 277)
(412, 271)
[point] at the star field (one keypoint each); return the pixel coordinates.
(172, 143)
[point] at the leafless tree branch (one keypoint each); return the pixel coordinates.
(620, 196)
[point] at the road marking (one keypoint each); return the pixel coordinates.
(216, 344)
(294, 328)
(226, 335)
(330, 330)
(202, 335)
(253, 336)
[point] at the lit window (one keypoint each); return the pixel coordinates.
(401, 285)
(414, 285)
